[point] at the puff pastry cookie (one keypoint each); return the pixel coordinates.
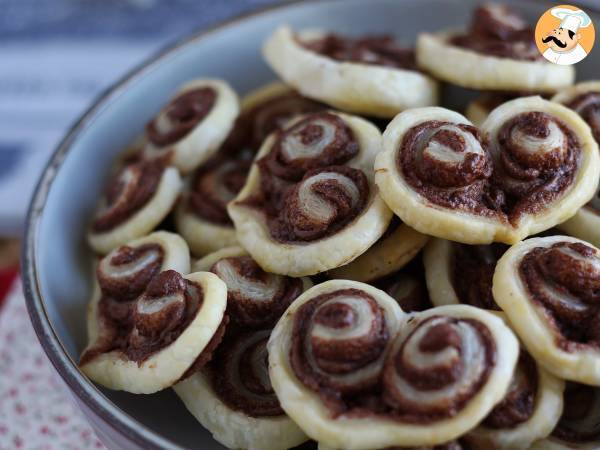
(579, 425)
(201, 216)
(497, 52)
(532, 165)
(310, 203)
(529, 411)
(584, 98)
(148, 324)
(232, 396)
(136, 199)
(193, 125)
(354, 372)
(396, 248)
(458, 273)
(548, 288)
(371, 75)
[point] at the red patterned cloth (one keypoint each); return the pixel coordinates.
(35, 410)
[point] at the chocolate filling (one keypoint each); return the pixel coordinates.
(128, 192)
(125, 272)
(378, 50)
(496, 30)
(587, 105)
(141, 327)
(471, 272)
(564, 279)
(181, 116)
(215, 185)
(580, 420)
(239, 375)
(513, 181)
(519, 402)
(255, 298)
(304, 192)
(440, 334)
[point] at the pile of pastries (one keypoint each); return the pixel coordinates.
(356, 288)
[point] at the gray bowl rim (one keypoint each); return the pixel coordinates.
(66, 367)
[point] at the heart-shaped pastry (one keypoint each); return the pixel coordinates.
(532, 165)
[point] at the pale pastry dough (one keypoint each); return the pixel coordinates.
(586, 223)
(144, 220)
(547, 408)
(167, 365)
(470, 69)
(312, 257)
(202, 141)
(476, 112)
(355, 87)
(437, 257)
(387, 255)
(354, 432)
(533, 321)
(468, 226)
(234, 429)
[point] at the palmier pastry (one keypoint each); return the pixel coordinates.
(136, 199)
(149, 325)
(529, 411)
(498, 52)
(584, 98)
(453, 445)
(354, 372)
(193, 125)
(310, 203)
(202, 217)
(549, 288)
(579, 425)
(532, 165)
(232, 396)
(396, 248)
(371, 75)
(460, 273)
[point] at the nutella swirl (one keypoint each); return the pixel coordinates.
(564, 279)
(587, 105)
(181, 116)
(239, 375)
(215, 185)
(519, 402)
(471, 272)
(438, 368)
(449, 164)
(339, 343)
(319, 140)
(378, 50)
(323, 202)
(125, 272)
(580, 420)
(129, 191)
(497, 30)
(255, 298)
(536, 160)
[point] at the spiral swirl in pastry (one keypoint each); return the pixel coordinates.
(587, 105)
(564, 279)
(340, 342)
(255, 298)
(181, 115)
(447, 163)
(239, 375)
(319, 140)
(126, 271)
(129, 190)
(438, 368)
(555, 286)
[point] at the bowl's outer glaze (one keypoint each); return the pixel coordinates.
(56, 263)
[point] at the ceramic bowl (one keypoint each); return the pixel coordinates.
(56, 263)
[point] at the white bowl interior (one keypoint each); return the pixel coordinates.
(231, 52)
